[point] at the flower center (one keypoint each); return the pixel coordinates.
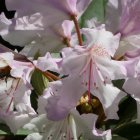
(98, 51)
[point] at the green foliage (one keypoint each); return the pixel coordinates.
(130, 130)
(39, 82)
(127, 110)
(116, 137)
(118, 83)
(4, 129)
(95, 10)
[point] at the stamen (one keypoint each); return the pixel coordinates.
(89, 81)
(99, 51)
(85, 67)
(12, 97)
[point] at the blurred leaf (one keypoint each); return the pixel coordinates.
(118, 83)
(37, 54)
(34, 98)
(39, 82)
(130, 131)
(23, 132)
(127, 110)
(4, 129)
(55, 55)
(116, 137)
(96, 10)
(13, 137)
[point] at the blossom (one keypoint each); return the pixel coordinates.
(73, 126)
(100, 46)
(132, 84)
(18, 99)
(34, 35)
(38, 27)
(47, 62)
(17, 56)
(89, 69)
(15, 103)
(77, 103)
(24, 71)
(62, 8)
(123, 17)
(70, 93)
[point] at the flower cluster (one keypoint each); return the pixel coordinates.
(75, 89)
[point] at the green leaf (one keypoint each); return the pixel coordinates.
(39, 82)
(116, 137)
(55, 55)
(96, 9)
(118, 83)
(4, 129)
(127, 110)
(37, 54)
(23, 132)
(130, 131)
(34, 101)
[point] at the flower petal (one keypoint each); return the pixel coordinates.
(103, 38)
(110, 97)
(66, 99)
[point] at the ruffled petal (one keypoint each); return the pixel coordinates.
(102, 38)
(34, 136)
(66, 99)
(48, 63)
(110, 97)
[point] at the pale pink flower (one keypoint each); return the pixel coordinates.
(72, 126)
(123, 17)
(40, 26)
(89, 68)
(48, 63)
(15, 106)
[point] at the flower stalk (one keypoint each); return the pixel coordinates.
(73, 17)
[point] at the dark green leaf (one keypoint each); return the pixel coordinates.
(116, 137)
(127, 110)
(118, 83)
(130, 131)
(4, 129)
